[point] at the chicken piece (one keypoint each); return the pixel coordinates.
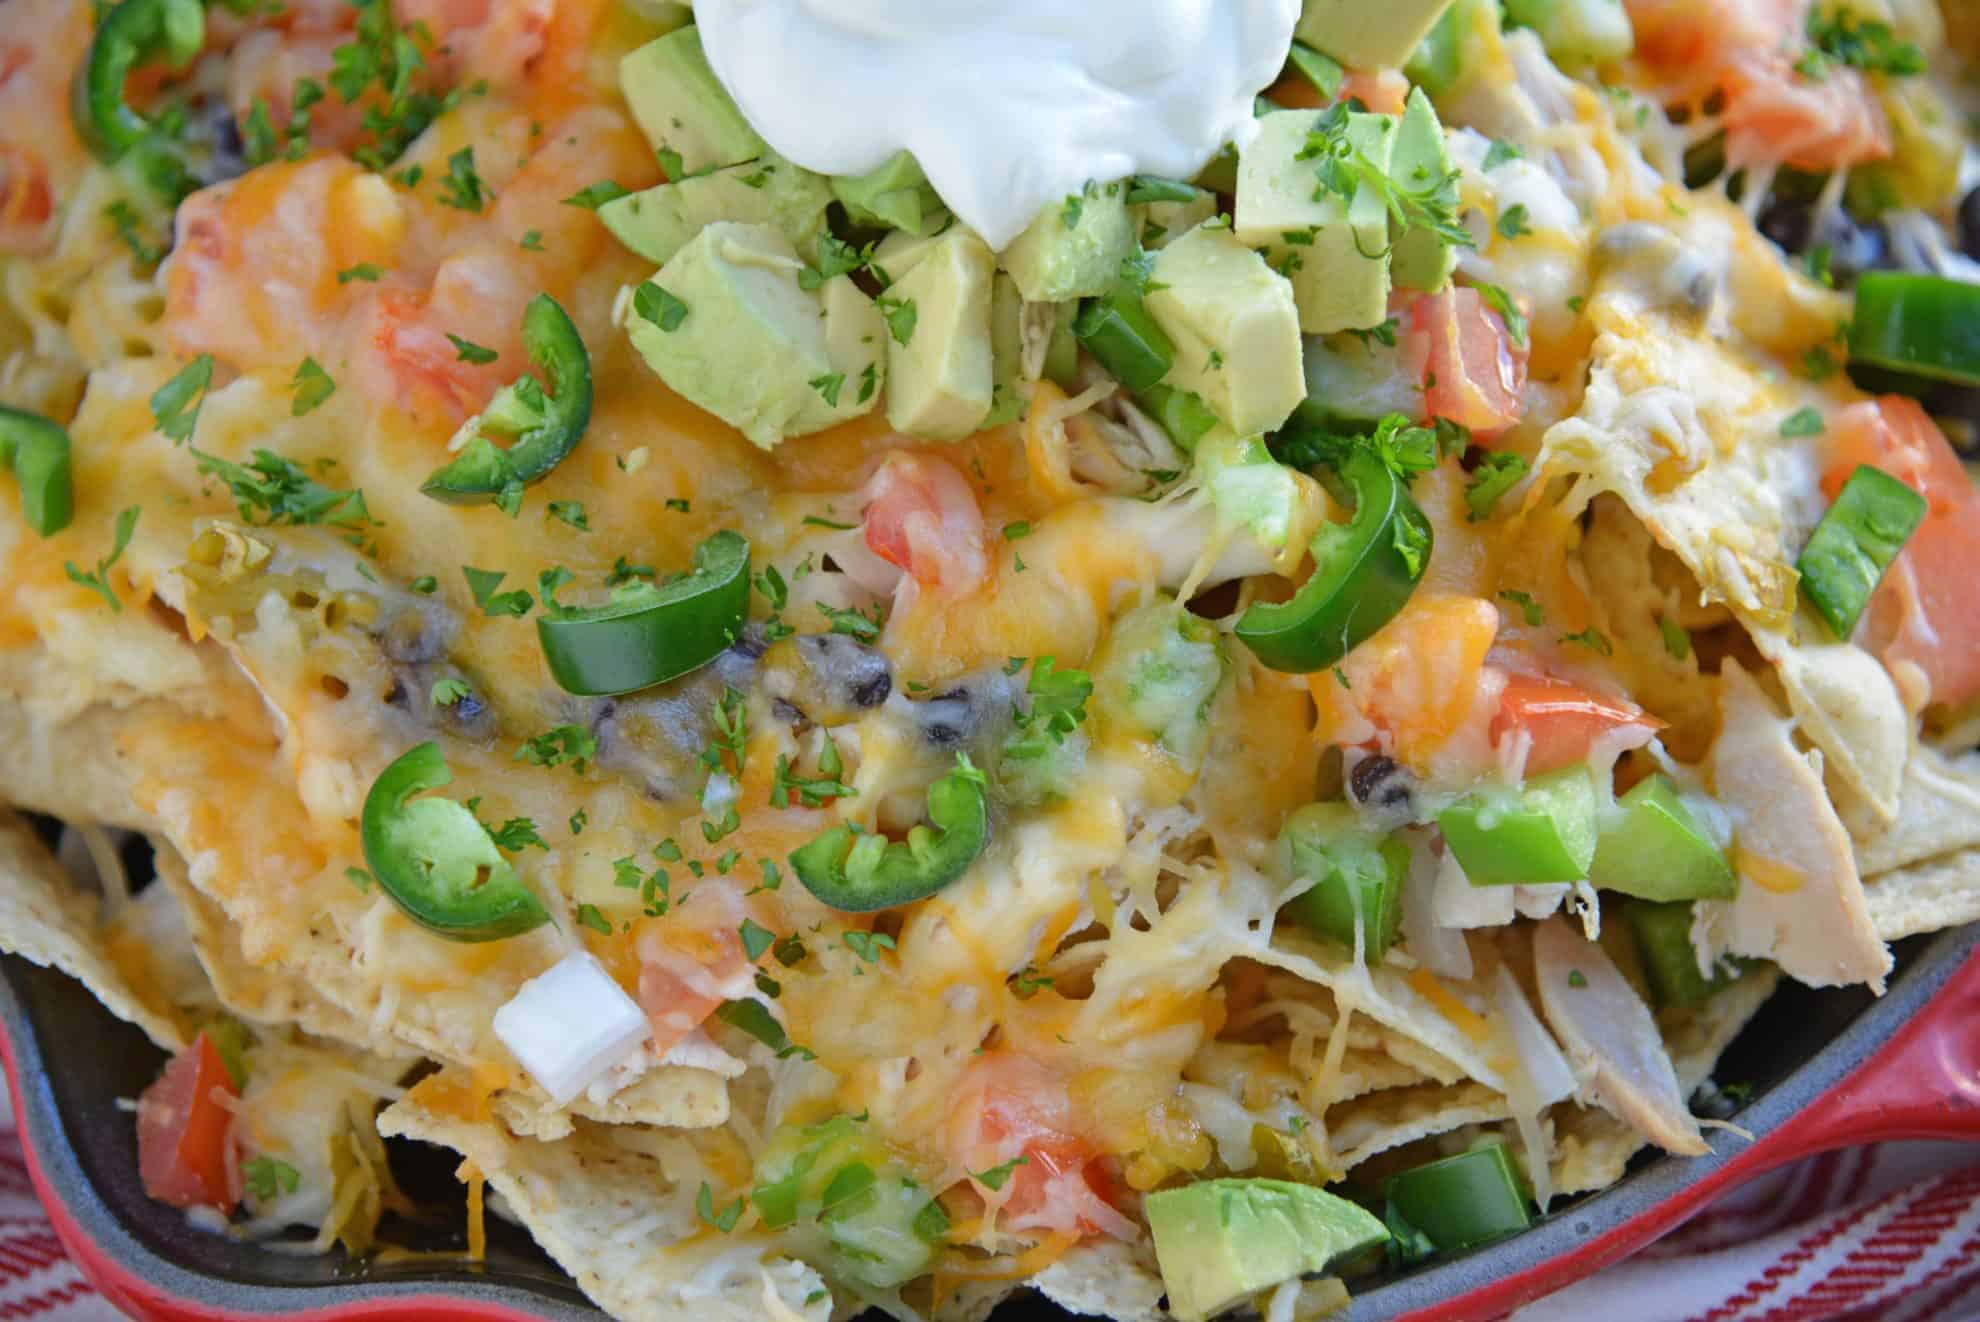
(1800, 900)
(1611, 1037)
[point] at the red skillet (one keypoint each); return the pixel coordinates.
(1829, 1069)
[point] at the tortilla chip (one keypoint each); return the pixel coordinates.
(70, 770)
(1106, 1278)
(619, 1221)
(1938, 813)
(46, 920)
(1592, 1147)
(1926, 897)
(1359, 1129)
(260, 995)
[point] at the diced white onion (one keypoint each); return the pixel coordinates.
(569, 1025)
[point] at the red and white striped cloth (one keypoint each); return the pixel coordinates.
(1878, 1234)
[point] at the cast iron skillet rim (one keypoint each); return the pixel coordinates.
(45, 1132)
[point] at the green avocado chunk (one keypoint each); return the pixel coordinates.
(657, 222)
(1363, 34)
(1657, 850)
(1335, 251)
(1220, 1241)
(1542, 832)
(1234, 325)
(682, 107)
(940, 362)
(894, 195)
(1074, 248)
(1577, 31)
(729, 327)
(1423, 259)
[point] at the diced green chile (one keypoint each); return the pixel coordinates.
(437, 861)
(857, 872)
(1118, 329)
(647, 635)
(1670, 962)
(1856, 541)
(1656, 849)
(130, 34)
(1460, 1201)
(1363, 573)
(1181, 413)
(545, 424)
(1542, 832)
(1924, 326)
(1357, 877)
(38, 452)
(847, 1197)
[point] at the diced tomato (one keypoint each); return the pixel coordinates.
(26, 201)
(1775, 116)
(1564, 721)
(687, 969)
(922, 517)
(1471, 370)
(1926, 611)
(1686, 37)
(1010, 1106)
(183, 1127)
(1384, 91)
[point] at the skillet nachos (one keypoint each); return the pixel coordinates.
(1277, 722)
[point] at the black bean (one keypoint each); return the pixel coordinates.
(1969, 225)
(1382, 783)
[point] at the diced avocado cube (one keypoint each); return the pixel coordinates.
(1670, 961)
(1351, 385)
(1541, 833)
(1156, 223)
(1234, 325)
(939, 361)
(655, 222)
(1364, 35)
(1436, 61)
(856, 342)
(1357, 877)
(1577, 31)
(1657, 850)
(1334, 250)
(1220, 1241)
(898, 253)
(752, 347)
(896, 194)
(1006, 351)
(1460, 1201)
(1219, 173)
(1422, 259)
(1074, 248)
(682, 107)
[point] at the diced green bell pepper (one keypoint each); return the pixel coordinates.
(872, 1225)
(1118, 329)
(1856, 541)
(1541, 833)
(1464, 1200)
(1357, 877)
(1663, 941)
(1658, 851)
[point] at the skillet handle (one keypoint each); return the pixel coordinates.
(1924, 1083)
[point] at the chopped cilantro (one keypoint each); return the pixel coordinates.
(1513, 221)
(589, 915)
(828, 387)
(273, 490)
(1502, 303)
(900, 316)
(99, 581)
(1499, 153)
(482, 584)
(1677, 639)
(446, 692)
(1593, 639)
(312, 385)
(596, 195)
(467, 351)
(560, 744)
(998, 1176)
(658, 306)
(263, 1177)
(462, 189)
(362, 271)
(704, 1202)
(867, 945)
(1498, 473)
(1803, 422)
(756, 939)
(1527, 605)
(175, 405)
(571, 512)
(853, 622)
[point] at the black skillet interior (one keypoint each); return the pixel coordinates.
(75, 1061)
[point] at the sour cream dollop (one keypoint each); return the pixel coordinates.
(1009, 105)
